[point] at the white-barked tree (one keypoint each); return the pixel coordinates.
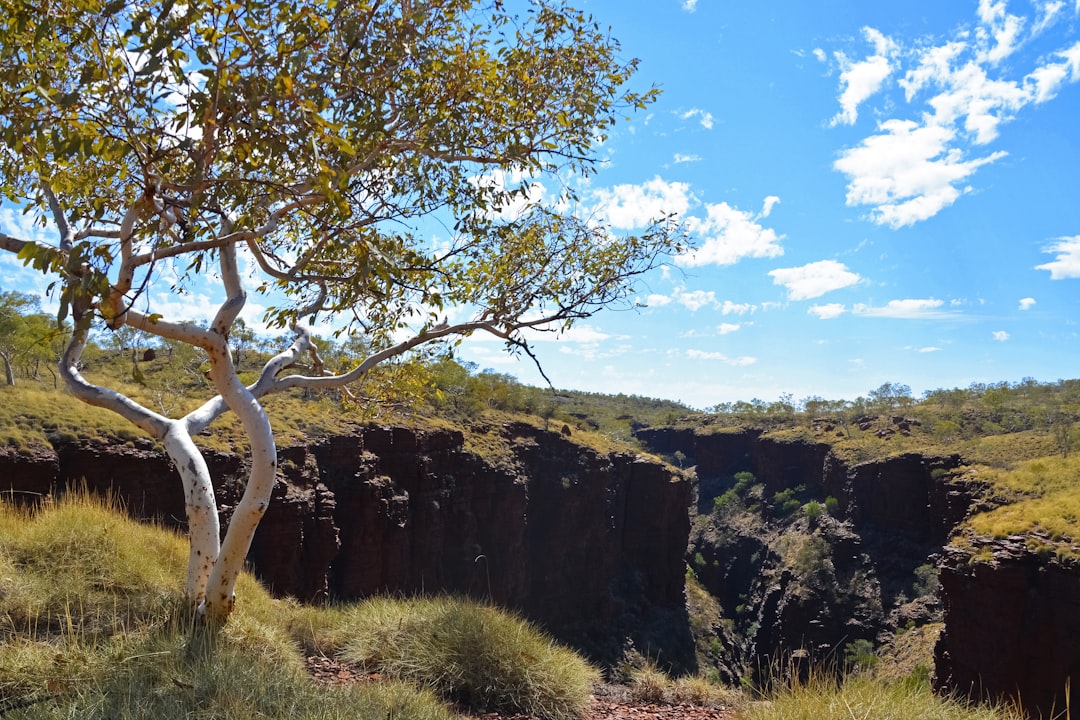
(317, 142)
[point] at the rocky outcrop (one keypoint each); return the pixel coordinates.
(589, 545)
(793, 581)
(1012, 623)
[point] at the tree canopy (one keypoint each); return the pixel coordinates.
(372, 160)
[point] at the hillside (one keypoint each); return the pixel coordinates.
(810, 531)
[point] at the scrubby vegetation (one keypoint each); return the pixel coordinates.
(825, 697)
(93, 625)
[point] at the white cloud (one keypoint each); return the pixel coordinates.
(1000, 335)
(1044, 82)
(910, 309)
(861, 80)
(820, 55)
(814, 280)
(727, 328)
(720, 357)
(906, 172)
(730, 235)
(689, 5)
(1001, 37)
(575, 334)
(500, 180)
(1067, 263)
(655, 300)
(929, 349)
(767, 207)
(957, 95)
(730, 308)
(704, 118)
(828, 311)
(695, 299)
(681, 158)
(1027, 303)
(626, 207)
(1048, 15)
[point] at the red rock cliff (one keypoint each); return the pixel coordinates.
(590, 545)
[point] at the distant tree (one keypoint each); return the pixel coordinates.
(320, 140)
(890, 396)
(25, 335)
(243, 339)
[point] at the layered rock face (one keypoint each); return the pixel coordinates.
(589, 545)
(808, 584)
(1012, 626)
(1011, 613)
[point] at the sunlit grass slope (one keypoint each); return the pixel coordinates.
(1046, 504)
(92, 625)
(826, 698)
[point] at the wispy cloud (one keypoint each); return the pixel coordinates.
(814, 280)
(681, 158)
(730, 235)
(908, 309)
(705, 119)
(1027, 303)
(861, 80)
(732, 308)
(1067, 263)
(827, 311)
(695, 299)
(956, 94)
(1000, 335)
(720, 357)
(689, 5)
(728, 328)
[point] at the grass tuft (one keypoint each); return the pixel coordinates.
(824, 697)
(93, 625)
(469, 653)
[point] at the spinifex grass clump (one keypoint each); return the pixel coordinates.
(94, 624)
(824, 697)
(469, 653)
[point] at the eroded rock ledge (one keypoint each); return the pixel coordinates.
(589, 545)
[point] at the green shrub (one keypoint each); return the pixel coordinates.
(926, 580)
(787, 501)
(859, 655)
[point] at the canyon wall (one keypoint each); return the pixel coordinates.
(1010, 607)
(592, 545)
(1012, 625)
(589, 545)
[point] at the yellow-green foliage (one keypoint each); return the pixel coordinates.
(823, 698)
(1048, 501)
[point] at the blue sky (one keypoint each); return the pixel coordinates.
(881, 192)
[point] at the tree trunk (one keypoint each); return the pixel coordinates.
(9, 374)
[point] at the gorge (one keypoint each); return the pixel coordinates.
(595, 545)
